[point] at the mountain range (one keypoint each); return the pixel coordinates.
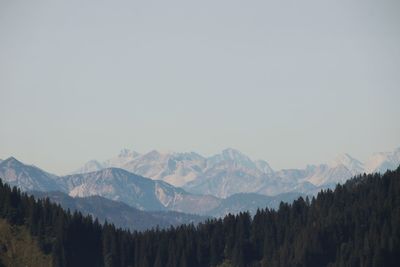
(136, 191)
(139, 191)
(120, 214)
(231, 172)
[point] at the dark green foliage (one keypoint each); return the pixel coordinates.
(357, 224)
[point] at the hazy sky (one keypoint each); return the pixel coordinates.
(291, 82)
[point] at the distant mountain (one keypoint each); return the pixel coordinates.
(122, 186)
(115, 184)
(139, 192)
(26, 177)
(325, 174)
(174, 168)
(147, 194)
(122, 158)
(231, 172)
(383, 161)
(264, 167)
(90, 166)
(207, 183)
(193, 171)
(112, 183)
(353, 165)
(316, 176)
(345, 167)
(119, 213)
(226, 178)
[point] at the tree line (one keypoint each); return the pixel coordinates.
(357, 224)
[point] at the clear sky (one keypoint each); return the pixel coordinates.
(291, 82)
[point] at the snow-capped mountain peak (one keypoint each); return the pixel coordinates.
(18, 174)
(230, 156)
(90, 166)
(12, 161)
(234, 154)
(382, 161)
(126, 153)
(231, 171)
(353, 165)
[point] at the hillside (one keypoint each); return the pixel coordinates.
(18, 248)
(119, 213)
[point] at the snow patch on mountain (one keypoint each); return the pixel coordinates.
(26, 177)
(383, 161)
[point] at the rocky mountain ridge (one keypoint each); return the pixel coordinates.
(231, 172)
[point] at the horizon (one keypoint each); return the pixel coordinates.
(80, 81)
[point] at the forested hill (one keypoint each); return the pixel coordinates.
(357, 224)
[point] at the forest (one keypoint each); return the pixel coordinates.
(356, 224)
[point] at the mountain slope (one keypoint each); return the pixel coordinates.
(229, 173)
(173, 168)
(383, 161)
(139, 192)
(19, 248)
(26, 177)
(119, 213)
(90, 166)
(112, 183)
(122, 158)
(353, 165)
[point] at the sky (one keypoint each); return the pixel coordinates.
(291, 82)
